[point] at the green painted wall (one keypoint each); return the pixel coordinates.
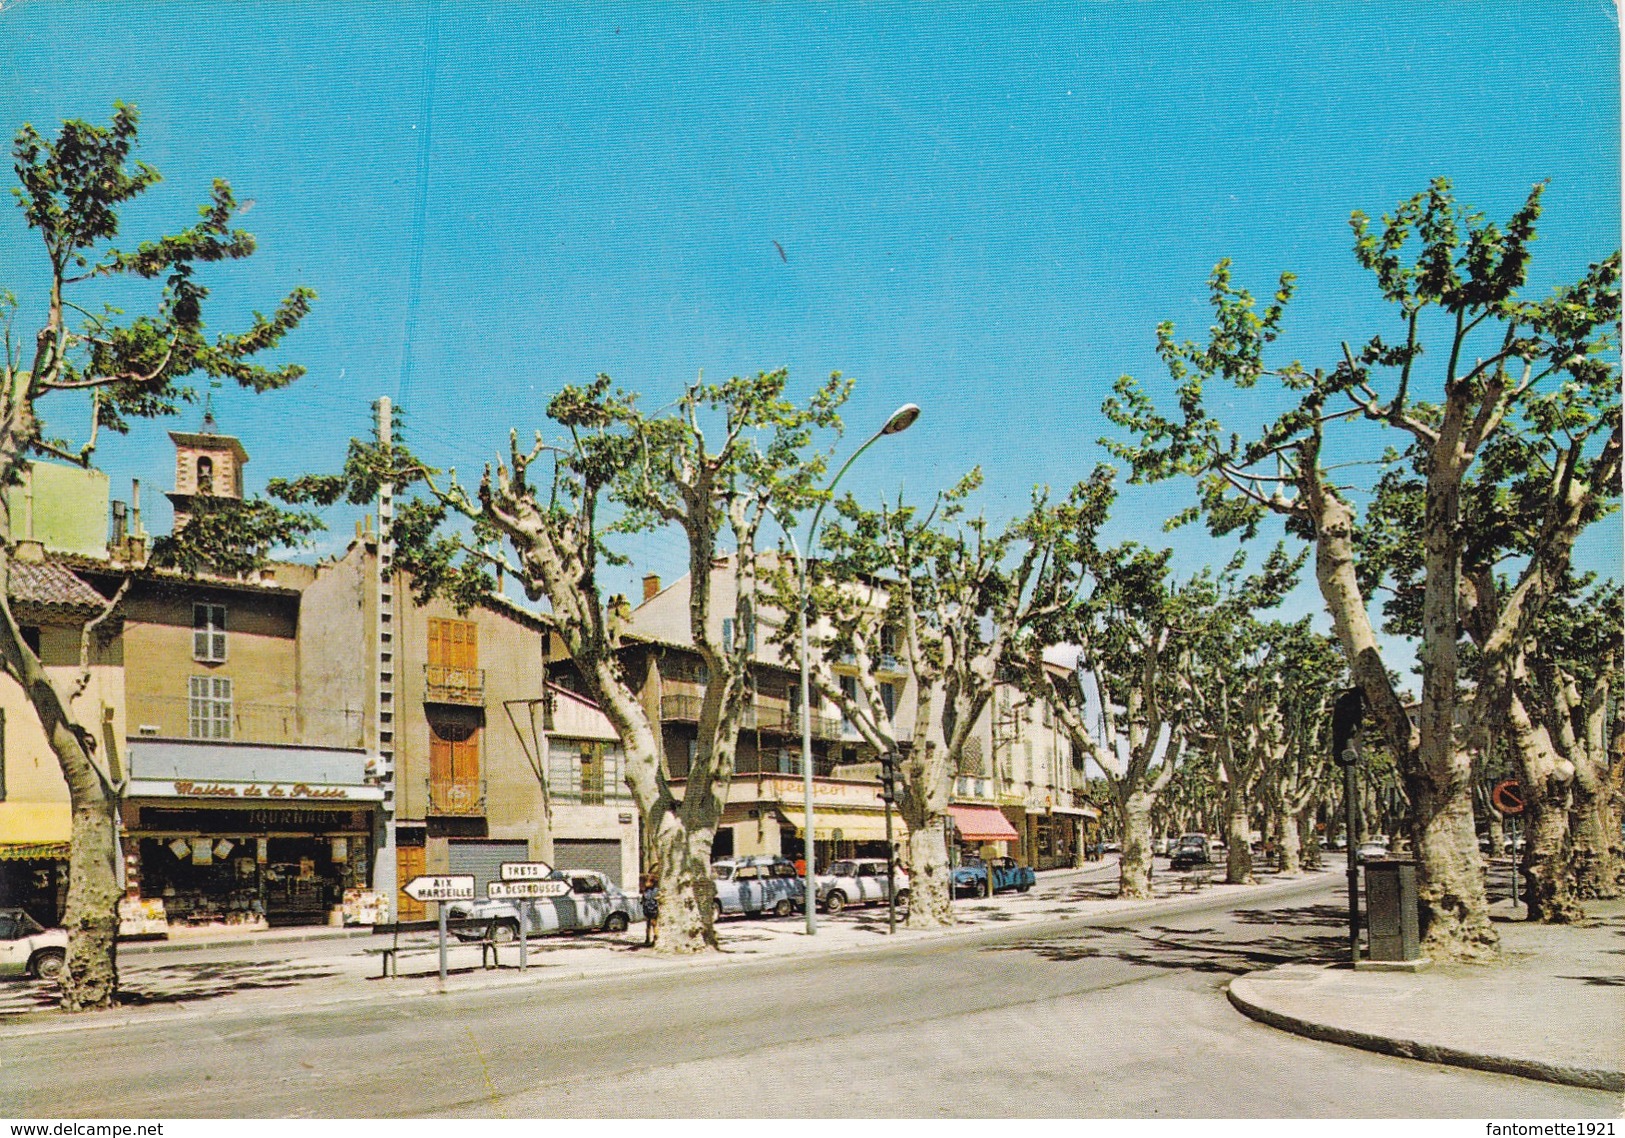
(69, 509)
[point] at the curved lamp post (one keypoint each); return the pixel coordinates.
(901, 420)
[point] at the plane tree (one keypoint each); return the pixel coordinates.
(92, 364)
(1506, 365)
(959, 593)
(710, 467)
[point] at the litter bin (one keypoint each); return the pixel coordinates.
(1391, 910)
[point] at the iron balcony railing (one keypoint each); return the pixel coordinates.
(762, 717)
(445, 684)
(456, 797)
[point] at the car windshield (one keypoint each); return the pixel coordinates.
(28, 926)
(722, 872)
(843, 869)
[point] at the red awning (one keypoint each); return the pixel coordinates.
(982, 824)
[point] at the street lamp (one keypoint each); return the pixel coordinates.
(900, 420)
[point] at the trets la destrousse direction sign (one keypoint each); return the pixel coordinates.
(524, 890)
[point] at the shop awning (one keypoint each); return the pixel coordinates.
(982, 824)
(35, 851)
(853, 827)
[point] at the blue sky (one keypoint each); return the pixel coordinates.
(984, 209)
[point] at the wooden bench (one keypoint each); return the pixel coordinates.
(487, 927)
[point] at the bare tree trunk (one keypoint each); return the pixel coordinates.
(1546, 780)
(1238, 868)
(1596, 863)
(687, 894)
(930, 902)
(1134, 870)
(1290, 843)
(90, 979)
(1593, 824)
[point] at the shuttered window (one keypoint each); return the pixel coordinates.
(209, 707)
(209, 633)
(454, 644)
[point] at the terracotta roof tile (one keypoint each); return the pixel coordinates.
(51, 584)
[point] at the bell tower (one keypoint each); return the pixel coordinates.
(207, 465)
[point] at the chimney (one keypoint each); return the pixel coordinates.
(135, 508)
(651, 586)
(121, 527)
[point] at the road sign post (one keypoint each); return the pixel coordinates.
(441, 888)
(1507, 798)
(1346, 718)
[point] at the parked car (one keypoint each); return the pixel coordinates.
(1371, 851)
(858, 881)
(757, 885)
(28, 948)
(971, 876)
(594, 904)
(1191, 850)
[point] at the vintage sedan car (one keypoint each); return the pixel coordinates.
(1192, 850)
(858, 881)
(594, 904)
(29, 949)
(1008, 873)
(756, 885)
(1374, 850)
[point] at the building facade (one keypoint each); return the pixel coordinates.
(485, 767)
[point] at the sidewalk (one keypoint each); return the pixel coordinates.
(1554, 1010)
(249, 971)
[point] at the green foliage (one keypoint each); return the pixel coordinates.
(71, 191)
(225, 535)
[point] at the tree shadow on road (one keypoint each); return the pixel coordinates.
(1204, 950)
(1324, 916)
(186, 983)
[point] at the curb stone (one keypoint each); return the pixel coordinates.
(1241, 997)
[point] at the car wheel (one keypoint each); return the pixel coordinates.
(505, 931)
(615, 923)
(835, 902)
(902, 898)
(784, 908)
(48, 964)
(1023, 888)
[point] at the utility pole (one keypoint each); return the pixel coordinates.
(384, 872)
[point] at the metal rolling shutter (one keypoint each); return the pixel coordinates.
(577, 853)
(484, 860)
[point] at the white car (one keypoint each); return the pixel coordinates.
(858, 881)
(756, 884)
(594, 904)
(29, 949)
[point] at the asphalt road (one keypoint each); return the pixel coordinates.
(1105, 1018)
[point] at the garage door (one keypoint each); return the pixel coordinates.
(578, 853)
(484, 860)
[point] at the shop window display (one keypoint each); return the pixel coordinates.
(253, 881)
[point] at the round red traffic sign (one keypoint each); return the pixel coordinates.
(1507, 797)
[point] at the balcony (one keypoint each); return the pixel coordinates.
(456, 797)
(462, 686)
